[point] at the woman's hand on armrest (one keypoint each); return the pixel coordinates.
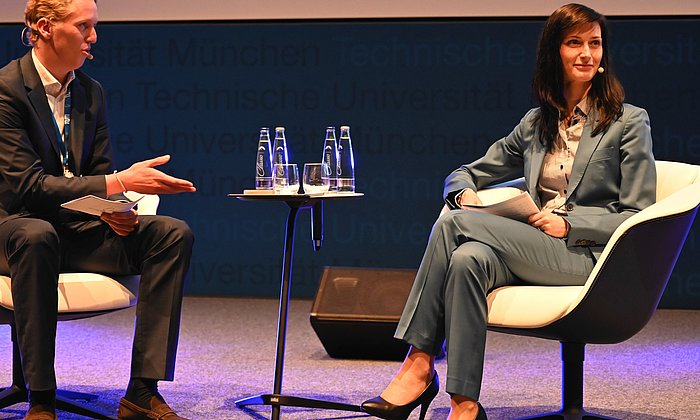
(467, 197)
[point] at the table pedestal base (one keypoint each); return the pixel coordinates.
(276, 400)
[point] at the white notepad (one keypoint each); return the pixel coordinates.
(94, 205)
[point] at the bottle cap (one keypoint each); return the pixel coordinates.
(279, 128)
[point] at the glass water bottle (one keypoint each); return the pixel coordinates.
(346, 162)
(330, 158)
(279, 152)
(263, 162)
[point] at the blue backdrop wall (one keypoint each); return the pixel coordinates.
(422, 97)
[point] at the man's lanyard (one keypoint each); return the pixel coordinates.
(65, 137)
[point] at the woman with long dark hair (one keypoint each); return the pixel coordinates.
(587, 161)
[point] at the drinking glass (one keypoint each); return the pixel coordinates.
(316, 178)
(285, 178)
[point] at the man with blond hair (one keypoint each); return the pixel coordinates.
(54, 147)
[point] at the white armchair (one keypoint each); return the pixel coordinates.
(80, 295)
(621, 293)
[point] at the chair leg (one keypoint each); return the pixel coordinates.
(572, 356)
(17, 392)
(72, 405)
(65, 400)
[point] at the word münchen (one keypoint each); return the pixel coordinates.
(197, 97)
(208, 53)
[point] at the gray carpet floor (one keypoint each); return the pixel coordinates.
(227, 352)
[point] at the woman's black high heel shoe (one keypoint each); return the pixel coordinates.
(383, 409)
(481, 415)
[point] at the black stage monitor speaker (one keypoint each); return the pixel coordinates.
(356, 311)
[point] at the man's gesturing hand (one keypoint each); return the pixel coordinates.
(144, 178)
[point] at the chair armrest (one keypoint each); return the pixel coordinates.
(518, 183)
(496, 193)
(148, 204)
(85, 292)
(679, 202)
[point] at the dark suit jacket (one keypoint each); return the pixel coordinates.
(32, 181)
(613, 175)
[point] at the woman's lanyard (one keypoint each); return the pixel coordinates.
(64, 138)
